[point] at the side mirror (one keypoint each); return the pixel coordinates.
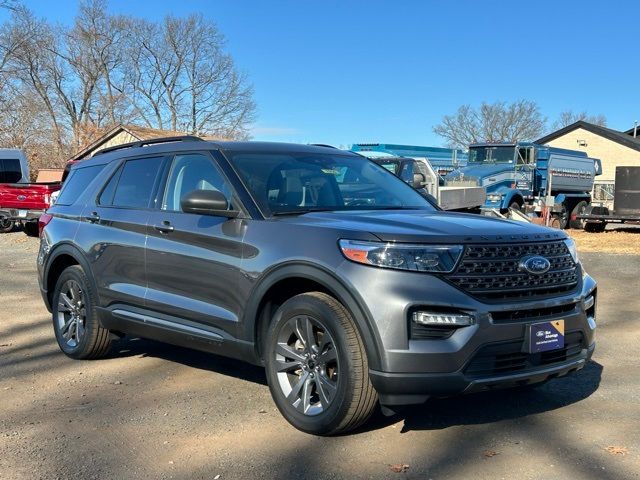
(598, 166)
(418, 180)
(207, 202)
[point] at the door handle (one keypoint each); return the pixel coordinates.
(165, 227)
(93, 217)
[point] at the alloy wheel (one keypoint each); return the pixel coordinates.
(72, 313)
(307, 365)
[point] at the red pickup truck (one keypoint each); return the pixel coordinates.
(24, 203)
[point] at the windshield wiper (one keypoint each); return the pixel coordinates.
(301, 212)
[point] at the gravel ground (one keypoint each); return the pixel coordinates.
(155, 411)
(621, 239)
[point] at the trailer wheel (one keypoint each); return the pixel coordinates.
(594, 227)
(579, 209)
(6, 225)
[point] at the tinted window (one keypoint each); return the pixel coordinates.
(10, 171)
(291, 182)
(136, 182)
(106, 196)
(192, 172)
(77, 182)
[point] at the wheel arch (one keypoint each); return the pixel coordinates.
(62, 257)
(286, 281)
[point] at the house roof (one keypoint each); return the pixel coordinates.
(630, 131)
(140, 133)
(613, 135)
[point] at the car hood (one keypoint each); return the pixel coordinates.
(428, 227)
(479, 171)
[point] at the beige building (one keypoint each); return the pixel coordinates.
(122, 134)
(612, 147)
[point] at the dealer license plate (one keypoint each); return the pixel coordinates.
(546, 336)
(22, 213)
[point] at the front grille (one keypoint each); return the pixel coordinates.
(490, 272)
(505, 358)
(510, 316)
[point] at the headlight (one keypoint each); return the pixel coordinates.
(494, 197)
(403, 256)
(571, 245)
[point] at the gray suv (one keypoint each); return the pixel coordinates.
(347, 285)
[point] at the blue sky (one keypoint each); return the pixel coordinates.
(341, 72)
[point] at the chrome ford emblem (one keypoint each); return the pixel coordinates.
(22, 197)
(535, 265)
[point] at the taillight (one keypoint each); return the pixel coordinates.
(43, 221)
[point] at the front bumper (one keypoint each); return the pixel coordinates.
(414, 388)
(412, 369)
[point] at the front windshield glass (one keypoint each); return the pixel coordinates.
(491, 154)
(284, 183)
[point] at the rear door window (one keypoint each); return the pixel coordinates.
(10, 170)
(136, 183)
(77, 182)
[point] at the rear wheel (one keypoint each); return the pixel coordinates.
(317, 366)
(6, 225)
(563, 217)
(579, 209)
(75, 320)
(594, 227)
(31, 229)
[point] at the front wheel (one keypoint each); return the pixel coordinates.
(317, 366)
(31, 229)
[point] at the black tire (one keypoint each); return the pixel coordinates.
(74, 300)
(579, 209)
(516, 206)
(594, 227)
(563, 217)
(6, 226)
(31, 229)
(318, 395)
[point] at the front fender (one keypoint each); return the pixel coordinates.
(510, 195)
(350, 299)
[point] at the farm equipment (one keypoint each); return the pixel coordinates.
(626, 203)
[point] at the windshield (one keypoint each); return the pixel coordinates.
(491, 154)
(283, 183)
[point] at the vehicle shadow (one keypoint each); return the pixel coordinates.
(132, 346)
(495, 406)
(435, 414)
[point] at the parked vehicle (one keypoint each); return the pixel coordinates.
(443, 160)
(21, 202)
(530, 178)
(626, 203)
(421, 176)
(344, 282)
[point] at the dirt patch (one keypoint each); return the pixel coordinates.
(624, 241)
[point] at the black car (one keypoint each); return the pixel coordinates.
(347, 285)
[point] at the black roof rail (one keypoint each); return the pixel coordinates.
(323, 145)
(152, 141)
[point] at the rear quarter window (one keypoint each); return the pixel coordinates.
(76, 183)
(10, 170)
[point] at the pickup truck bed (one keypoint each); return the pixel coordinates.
(24, 203)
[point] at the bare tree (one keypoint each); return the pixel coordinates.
(183, 79)
(71, 83)
(568, 117)
(495, 122)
